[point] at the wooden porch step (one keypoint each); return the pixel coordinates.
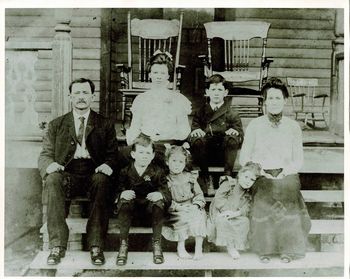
(332, 196)
(309, 196)
(328, 160)
(211, 261)
(78, 225)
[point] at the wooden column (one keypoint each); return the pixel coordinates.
(337, 77)
(62, 63)
(105, 74)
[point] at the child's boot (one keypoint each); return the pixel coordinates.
(123, 252)
(211, 190)
(158, 257)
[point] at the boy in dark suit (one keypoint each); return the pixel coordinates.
(216, 130)
(143, 195)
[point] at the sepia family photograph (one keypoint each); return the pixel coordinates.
(175, 142)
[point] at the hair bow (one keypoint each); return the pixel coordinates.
(168, 54)
(186, 146)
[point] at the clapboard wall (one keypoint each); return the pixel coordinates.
(37, 25)
(299, 40)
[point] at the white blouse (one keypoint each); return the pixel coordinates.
(162, 115)
(273, 147)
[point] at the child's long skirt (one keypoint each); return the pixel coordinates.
(230, 232)
(280, 221)
(183, 224)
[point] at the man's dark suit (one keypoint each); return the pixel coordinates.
(59, 145)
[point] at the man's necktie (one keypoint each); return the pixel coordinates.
(215, 109)
(81, 130)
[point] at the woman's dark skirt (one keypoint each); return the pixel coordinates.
(280, 222)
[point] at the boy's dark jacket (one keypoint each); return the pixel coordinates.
(153, 179)
(219, 121)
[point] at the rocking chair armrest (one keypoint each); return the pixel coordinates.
(123, 68)
(321, 96)
(204, 59)
(267, 61)
(180, 68)
(299, 95)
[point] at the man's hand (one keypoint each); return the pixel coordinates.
(154, 196)
(54, 167)
(128, 195)
(232, 132)
(198, 133)
(105, 169)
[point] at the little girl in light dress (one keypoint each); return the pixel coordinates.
(188, 216)
(228, 223)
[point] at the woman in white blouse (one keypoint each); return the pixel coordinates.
(279, 219)
(160, 113)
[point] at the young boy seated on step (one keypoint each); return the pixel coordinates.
(216, 130)
(143, 195)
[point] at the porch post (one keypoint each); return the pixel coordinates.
(62, 63)
(337, 77)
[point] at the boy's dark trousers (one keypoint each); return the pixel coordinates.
(215, 149)
(147, 212)
(79, 178)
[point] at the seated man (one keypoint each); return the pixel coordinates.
(78, 157)
(216, 129)
(144, 195)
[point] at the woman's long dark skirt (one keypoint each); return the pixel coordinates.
(280, 222)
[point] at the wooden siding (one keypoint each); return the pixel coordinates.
(37, 25)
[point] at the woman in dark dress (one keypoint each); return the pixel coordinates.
(279, 219)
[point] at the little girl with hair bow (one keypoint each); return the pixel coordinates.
(187, 213)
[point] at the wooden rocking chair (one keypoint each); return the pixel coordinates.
(146, 36)
(308, 106)
(237, 51)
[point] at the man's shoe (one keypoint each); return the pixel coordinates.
(56, 254)
(97, 256)
(123, 253)
(158, 257)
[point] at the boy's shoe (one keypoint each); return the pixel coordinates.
(123, 253)
(211, 190)
(97, 256)
(206, 184)
(158, 257)
(56, 254)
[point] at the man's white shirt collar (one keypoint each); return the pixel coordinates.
(77, 116)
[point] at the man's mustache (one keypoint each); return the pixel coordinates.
(81, 102)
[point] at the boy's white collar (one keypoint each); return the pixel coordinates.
(213, 106)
